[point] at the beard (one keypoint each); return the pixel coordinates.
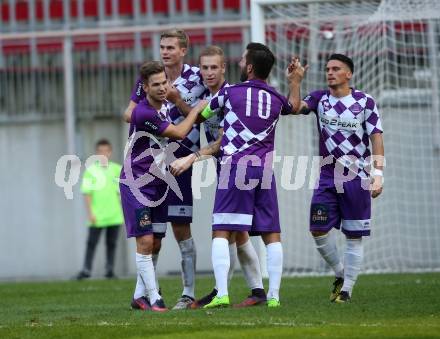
(243, 75)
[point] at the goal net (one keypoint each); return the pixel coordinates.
(395, 48)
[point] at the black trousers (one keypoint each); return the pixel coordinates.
(111, 237)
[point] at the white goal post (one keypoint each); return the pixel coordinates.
(395, 48)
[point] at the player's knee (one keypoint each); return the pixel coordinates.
(144, 244)
(349, 237)
(241, 238)
(269, 238)
(221, 234)
(157, 245)
(181, 231)
(232, 238)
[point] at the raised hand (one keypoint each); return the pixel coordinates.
(376, 186)
(295, 71)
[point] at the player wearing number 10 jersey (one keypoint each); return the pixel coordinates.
(246, 198)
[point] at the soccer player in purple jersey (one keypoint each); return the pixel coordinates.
(143, 184)
(348, 120)
(212, 68)
(186, 90)
(246, 198)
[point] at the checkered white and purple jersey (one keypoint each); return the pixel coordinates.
(191, 88)
(344, 126)
(251, 112)
(213, 124)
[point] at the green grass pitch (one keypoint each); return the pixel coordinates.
(383, 306)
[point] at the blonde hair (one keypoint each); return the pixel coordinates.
(211, 51)
(180, 34)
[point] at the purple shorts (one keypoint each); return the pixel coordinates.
(351, 209)
(141, 219)
(180, 211)
(251, 206)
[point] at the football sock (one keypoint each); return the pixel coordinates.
(274, 268)
(220, 264)
(188, 252)
(145, 268)
(139, 290)
(248, 258)
(232, 260)
(326, 246)
(353, 256)
(155, 259)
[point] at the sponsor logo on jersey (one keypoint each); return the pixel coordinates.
(340, 123)
(151, 126)
(189, 99)
(138, 92)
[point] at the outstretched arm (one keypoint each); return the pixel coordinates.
(181, 130)
(180, 165)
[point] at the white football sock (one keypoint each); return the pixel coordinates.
(188, 252)
(232, 260)
(145, 269)
(326, 246)
(274, 268)
(155, 259)
(250, 265)
(139, 290)
(220, 264)
(353, 256)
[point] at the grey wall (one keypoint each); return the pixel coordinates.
(42, 234)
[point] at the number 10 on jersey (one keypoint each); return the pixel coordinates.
(263, 112)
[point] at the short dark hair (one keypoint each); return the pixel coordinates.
(180, 34)
(343, 58)
(103, 142)
(261, 58)
(150, 68)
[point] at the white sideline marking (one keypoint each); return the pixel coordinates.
(235, 324)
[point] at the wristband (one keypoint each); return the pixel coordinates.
(378, 172)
